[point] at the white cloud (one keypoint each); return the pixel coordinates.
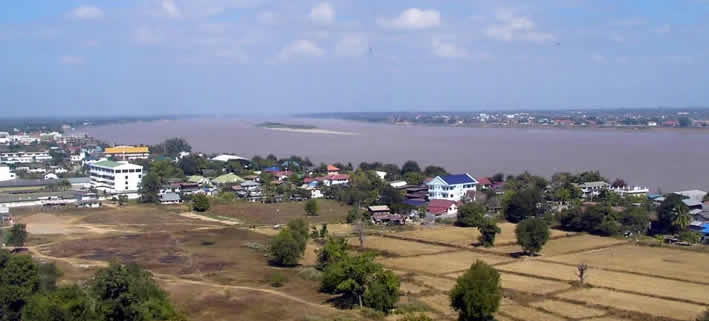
(71, 60)
(170, 8)
(413, 19)
(301, 48)
(352, 46)
(323, 14)
(86, 13)
(445, 49)
(511, 27)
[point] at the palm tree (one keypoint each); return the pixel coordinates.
(682, 220)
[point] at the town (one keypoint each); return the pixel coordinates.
(403, 214)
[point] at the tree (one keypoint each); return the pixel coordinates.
(682, 220)
(635, 220)
(668, 211)
(582, 268)
(522, 204)
(127, 292)
(200, 202)
(414, 178)
(299, 228)
(684, 121)
(433, 171)
(65, 304)
(150, 188)
(285, 249)
(17, 235)
(532, 234)
(498, 178)
(165, 169)
(311, 207)
(382, 291)
(19, 280)
(334, 250)
(353, 215)
(488, 231)
(470, 215)
(410, 166)
(190, 165)
(350, 277)
(618, 182)
(171, 147)
(477, 293)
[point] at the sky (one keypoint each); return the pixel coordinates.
(152, 57)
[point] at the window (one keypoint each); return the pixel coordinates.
(126, 177)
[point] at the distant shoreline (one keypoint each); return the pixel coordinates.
(311, 131)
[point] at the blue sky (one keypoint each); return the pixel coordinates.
(281, 57)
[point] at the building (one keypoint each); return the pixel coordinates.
(25, 157)
(6, 174)
(451, 187)
(127, 152)
(170, 198)
(336, 179)
(694, 195)
(631, 191)
(332, 170)
(226, 158)
(37, 199)
(592, 189)
(115, 177)
(4, 138)
(398, 184)
(444, 208)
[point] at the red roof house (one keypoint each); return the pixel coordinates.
(442, 207)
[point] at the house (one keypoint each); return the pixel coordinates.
(398, 184)
(332, 170)
(25, 157)
(695, 195)
(230, 178)
(79, 183)
(201, 180)
(226, 157)
(484, 183)
(90, 203)
(445, 208)
(170, 198)
(451, 187)
(388, 218)
(378, 209)
(316, 193)
(127, 152)
(115, 177)
(630, 191)
(250, 186)
(381, 175)
(6, 174)
(592, 189)
(51, 176)
(336, 179)
(37, 199)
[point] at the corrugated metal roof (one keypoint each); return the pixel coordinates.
(458, 179)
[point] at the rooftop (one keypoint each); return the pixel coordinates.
(126, 150)
(458, 179)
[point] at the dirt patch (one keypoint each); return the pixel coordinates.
(441, 263)
(574, 311)
(280, 213)
(565, 245)
(398, 247)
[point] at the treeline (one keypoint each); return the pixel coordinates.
(29, 292)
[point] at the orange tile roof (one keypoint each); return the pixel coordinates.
(127, 150)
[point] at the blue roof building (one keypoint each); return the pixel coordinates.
(451, 187)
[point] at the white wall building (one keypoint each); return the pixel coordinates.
(451, 187)
(4, 138)
(6, 174)
(115, 177)
(25, 157)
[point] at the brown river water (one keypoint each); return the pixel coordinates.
(668, 159)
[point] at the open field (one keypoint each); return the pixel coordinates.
(461, 236)
(686, 265)
(573, 311)
(683, 291)
(521, 312)
(279, 213)
(564, 245)
(440, 263)
(635, 303)
(397, 247)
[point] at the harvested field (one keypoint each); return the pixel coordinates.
(674, 263)
(565, 245)
(526, 313)
(280, 213)
(396, 246)
(616, 280)
(408, 288)
(573, 311)
(607, 319)
(440, 303)
(440, 284)
(461, 236)
(43, 223)
(531, 285)
(635, 303)
(441, 263)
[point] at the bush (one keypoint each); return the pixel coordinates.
(532, 234)
(488, 231)
(200, 203)
(477, 293)
(311, 207)
(334, 250)
(470, 215)
(285, 249)
(382, 291)
(277, 280)
(310, 274)
(690, 237)
(415, 317)
(17, 235)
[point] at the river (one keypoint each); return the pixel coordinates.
(667, 159)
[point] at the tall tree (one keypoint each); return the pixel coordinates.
(285, 249)
(17, 235)
(311, 207)
(488, 231)
(410, 166)
(532, 234)
(470, 215)
(150, 188)
(667, 213)
(477, 293)
(521, 204)
(433, 171)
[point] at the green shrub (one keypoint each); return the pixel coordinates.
(277, 280)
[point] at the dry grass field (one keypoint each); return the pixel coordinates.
(573, 311)
(686, 265)
(521, 312)
(279, 213)
(441, 263)
(396, 246)
(574, 244)
(636, 303)
(461, 236)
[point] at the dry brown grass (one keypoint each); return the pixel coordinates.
(441, 303)
(574, 311)
(687, 265)
(441, 263)
(615, 280)
(565, 245)
(607, 319)
(440, 284)
(531, 285)
(280, 213)
(398, 247)
(408, 288)
(636, 303)
(465, 236)
(526, 313)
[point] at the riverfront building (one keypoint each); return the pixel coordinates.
(115, 177)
